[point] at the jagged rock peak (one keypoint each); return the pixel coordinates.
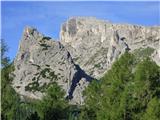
(31, 31)
(41, 61)
(74, 24)
(95, 44)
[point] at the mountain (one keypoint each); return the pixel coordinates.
(86, 50)
(42, 61)
(95, 44)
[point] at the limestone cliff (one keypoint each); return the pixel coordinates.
(86, 50)
(40, 62)
(95, 44)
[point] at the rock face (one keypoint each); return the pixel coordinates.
(86, 50)
(42, 61)
(95, 44)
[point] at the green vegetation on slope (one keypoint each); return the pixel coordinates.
(128, 91)
(9, 98)
(52, 107)
(143, 52)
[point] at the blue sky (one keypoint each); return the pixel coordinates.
(47, 17)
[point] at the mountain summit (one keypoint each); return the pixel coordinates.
(95, 44)
(86, 50)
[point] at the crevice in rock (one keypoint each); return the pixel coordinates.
(76, 78)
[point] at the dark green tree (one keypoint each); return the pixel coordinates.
(105, 96)
(53, 105)
(4, 58)
(153, 110)
(125, 91)
(33, 116)
(9, 98)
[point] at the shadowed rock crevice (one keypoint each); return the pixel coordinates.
(76, 78)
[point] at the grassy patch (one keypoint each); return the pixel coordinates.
(53, 76)
(45, 46)
(34, 86)
(97, 65)
(46, 38)
(34, 78)
(44, 72)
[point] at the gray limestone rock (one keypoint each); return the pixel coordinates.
(96, 44)
(40, 62)
(86, 50)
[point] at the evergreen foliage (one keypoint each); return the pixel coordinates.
(4, 59)
(128, 91)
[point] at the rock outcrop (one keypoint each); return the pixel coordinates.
(95, 44)
(42, 61)
(86, 50)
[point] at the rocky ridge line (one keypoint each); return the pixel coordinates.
(42, 61)
(86, 50)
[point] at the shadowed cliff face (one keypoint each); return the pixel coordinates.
(76, 78)
(87, 49)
